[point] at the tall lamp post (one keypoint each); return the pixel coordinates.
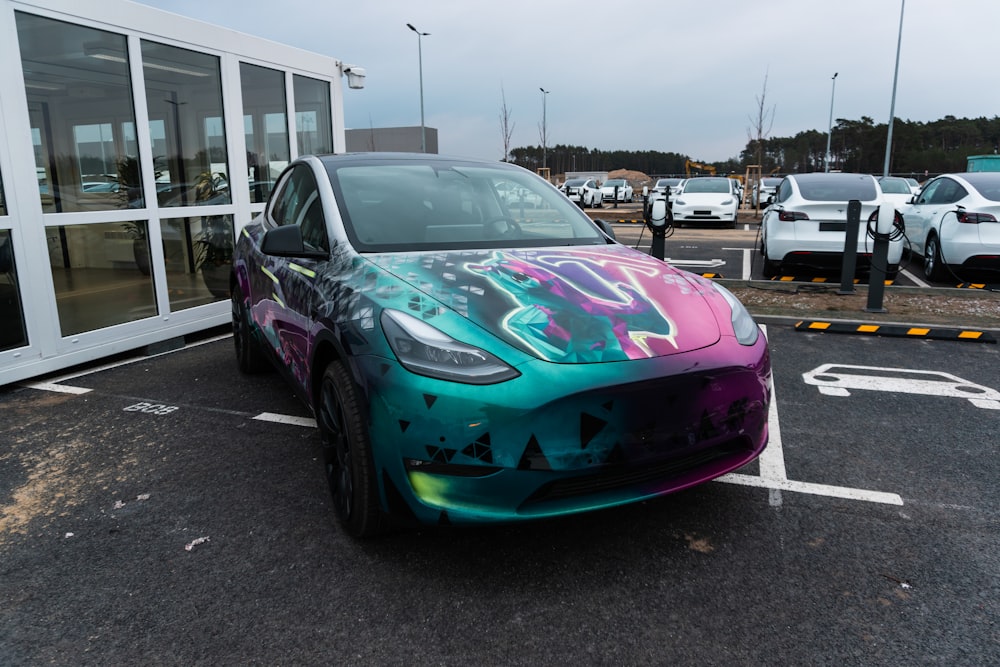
(420, 61)
(830, 132)
(544, 150)
(892, 105)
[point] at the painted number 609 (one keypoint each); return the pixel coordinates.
(151, 408)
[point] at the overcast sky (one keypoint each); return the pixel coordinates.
(662, 75)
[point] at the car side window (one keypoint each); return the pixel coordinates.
(949, 192)
(927, 194)
(784, 190)
(298, 203)
(943, 193)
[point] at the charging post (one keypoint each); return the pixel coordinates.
(850, 258)
(659, 219)
(880, 258)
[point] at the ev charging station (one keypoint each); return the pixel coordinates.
(884, 224)
(659, 219)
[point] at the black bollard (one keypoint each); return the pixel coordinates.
(850, 258)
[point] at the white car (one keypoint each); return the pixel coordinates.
(583, 191)
(515, 196)
(706, 199)
(953, 224)
(896, 191)
(764, 190)
(666, 187)
(806, 224)
(619, 185)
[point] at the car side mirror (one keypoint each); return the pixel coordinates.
(606, 227)
(286, 241)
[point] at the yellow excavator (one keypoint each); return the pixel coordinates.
(701, 168)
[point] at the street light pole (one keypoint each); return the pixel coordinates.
(830, 132)
(544, 150)
(420, 61)
(892, 105)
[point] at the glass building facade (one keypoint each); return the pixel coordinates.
(137, 145)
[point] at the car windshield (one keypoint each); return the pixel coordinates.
(895, 186)
(771, 182)
(575, 182)
(407, 205)
(836, 187)
(986, 183)
(720, 185)
(613, 182)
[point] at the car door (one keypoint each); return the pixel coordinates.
(925, 213)
(290, 305)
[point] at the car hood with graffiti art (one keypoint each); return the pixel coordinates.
(568, 304)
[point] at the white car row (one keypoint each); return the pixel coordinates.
(953, 223)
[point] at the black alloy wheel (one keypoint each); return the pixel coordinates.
(933, 268)
(347, 456)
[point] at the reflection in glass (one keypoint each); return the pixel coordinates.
(101, 274)
(314, 131)
(82, 115)
(265, 125)
(199, 255)
(184, 96)
(12, 331)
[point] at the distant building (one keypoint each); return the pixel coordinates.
(983, 163)
(391, 140)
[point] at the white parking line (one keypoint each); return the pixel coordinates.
(52, 385)
(918, 281)
(774, 477)
(286, 419)
(58, 388)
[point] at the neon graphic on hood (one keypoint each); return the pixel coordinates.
(584, 308)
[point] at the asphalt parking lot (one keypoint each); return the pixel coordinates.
(167, 510)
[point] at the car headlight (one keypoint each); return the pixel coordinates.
(744, 327)
(426, 350)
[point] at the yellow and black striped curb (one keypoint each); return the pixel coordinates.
(896, 330)
(818, 279)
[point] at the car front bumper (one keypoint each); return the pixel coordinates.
(567, 438)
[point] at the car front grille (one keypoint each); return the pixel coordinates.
(615, 478)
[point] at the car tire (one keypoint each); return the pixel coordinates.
(250, 358)
(347, 455)
(769, 269)
(933, 268)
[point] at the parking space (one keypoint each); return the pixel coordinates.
(153, 516)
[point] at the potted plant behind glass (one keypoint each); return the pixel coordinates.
(129, 195)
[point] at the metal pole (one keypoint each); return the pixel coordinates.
(544, 130)
(830, 133)
(420, 61)
(895, 78)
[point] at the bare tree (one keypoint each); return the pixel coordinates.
(760, 124)
(506, 125)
